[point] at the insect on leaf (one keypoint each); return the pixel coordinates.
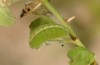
(45, 30)
(45, 33)
(6, 17)
(80, 56)
(40, 22)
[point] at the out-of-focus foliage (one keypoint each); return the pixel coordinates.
(5, 3)
(6, 17)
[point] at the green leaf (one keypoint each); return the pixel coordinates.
(6, 17)
(80, 56)
(44, 29)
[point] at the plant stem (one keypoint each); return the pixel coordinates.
(63, 22)
(53, 10)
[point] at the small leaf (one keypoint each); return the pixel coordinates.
(6, 17)
(44, 29)
(80, 56)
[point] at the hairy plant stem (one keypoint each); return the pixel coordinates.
(75, 39)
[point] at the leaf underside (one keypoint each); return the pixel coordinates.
(80, 56)
(44, 29)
